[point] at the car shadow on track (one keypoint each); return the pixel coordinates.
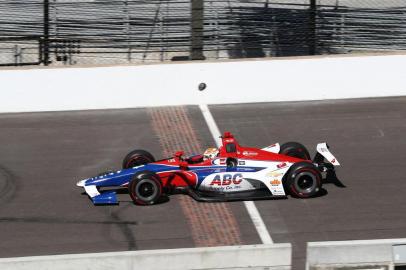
(331, 178)
(323, 192)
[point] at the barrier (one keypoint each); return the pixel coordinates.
(359, 254)
(254, 257)
(57, 89)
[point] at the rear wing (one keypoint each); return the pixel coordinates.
(323, 152)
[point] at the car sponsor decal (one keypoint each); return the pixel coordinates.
(249, 153)
(241, 162)
(274, 174)
(226, 179)
(281, 165)
(225, 182)
(276, 182)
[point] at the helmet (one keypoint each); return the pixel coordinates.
(210, 153)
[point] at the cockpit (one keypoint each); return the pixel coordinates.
(210, 153)
(228, 149)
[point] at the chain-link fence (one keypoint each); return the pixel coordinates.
(133, 31)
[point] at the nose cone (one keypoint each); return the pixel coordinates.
(117, 178)
(101, 179)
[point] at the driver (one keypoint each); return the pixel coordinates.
(210, 153)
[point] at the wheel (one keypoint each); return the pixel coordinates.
(295, 149)
(303, 180)
(145, 188)
(137, 158)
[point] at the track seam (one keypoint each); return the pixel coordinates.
(249, 205)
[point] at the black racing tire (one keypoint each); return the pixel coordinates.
(137, 158)
(145, 188)
(303, 180)
(295, 149)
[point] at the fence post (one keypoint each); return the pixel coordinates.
(46, 33)
(197, 16)
(312, 42)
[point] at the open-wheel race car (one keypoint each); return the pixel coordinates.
(230, 172)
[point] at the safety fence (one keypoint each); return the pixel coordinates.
(133, 31)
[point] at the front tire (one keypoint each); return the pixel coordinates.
(295, 149)
(303, 180)
(145, 188)
(137, 158)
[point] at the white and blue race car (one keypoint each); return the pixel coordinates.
(231, 172)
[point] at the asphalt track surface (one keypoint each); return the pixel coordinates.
(43, 155)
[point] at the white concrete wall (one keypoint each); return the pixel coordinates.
(277, 256)
(177, 84)
(362, 254)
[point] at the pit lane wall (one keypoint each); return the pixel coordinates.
(261, 257)
(382, 254)
(269, 80)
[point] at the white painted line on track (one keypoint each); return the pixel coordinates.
(211, 123)
(250, 205)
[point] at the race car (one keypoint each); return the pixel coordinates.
(230, 172)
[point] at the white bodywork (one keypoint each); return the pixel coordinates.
(271, 176)
(274, 148)
(233, 181)
(90, 190)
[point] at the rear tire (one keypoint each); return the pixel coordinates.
(303, 180)
(295, 149)
(145, 188)
(137, 158)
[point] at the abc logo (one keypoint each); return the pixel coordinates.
(227, 179)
